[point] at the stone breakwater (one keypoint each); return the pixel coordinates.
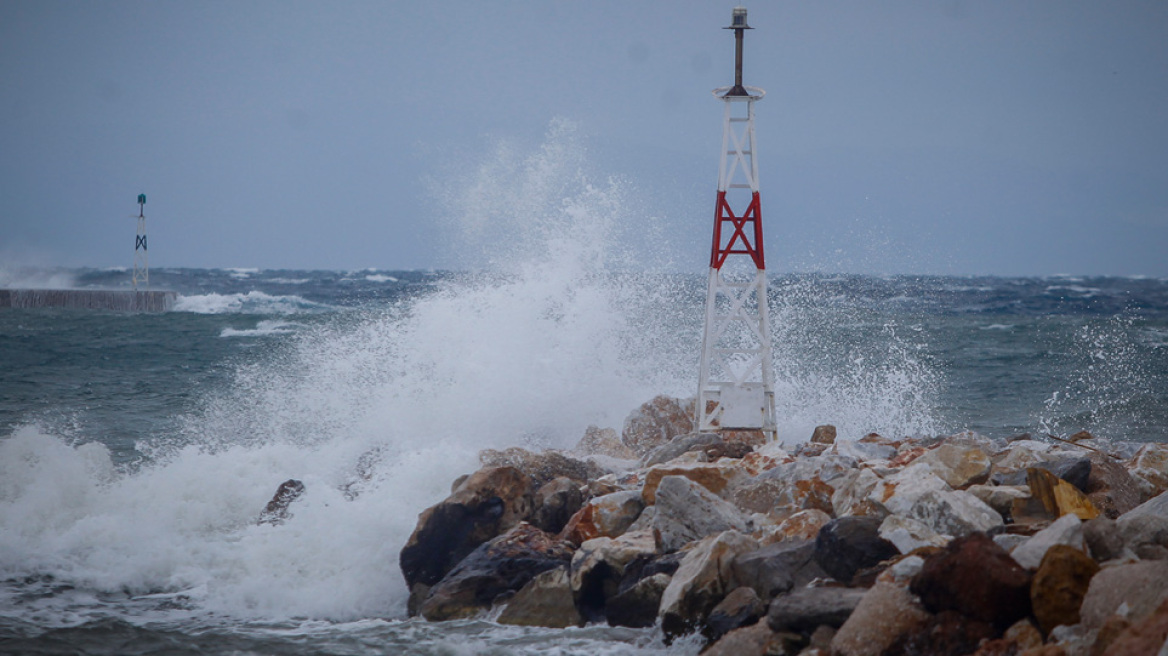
(959, 544)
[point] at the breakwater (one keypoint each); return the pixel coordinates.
(89, 299)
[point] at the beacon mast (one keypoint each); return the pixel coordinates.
(736, 385)
(141, 261)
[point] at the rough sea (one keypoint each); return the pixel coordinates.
(138, 450)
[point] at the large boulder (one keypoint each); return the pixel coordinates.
(1059, 585)
(806, 609)
(687, 511)
(976, 578)
(1067, 530)
(887, 612)
(1144, 638)
(543, 466)
(1110, 487)
(680, 445)
(656, 422)
(1149, 466)
(852, 495)
(777, 568)
(545, 601)
(848, 544)
(609, 515)
(780, 499)
(714, 477)
(1144, 530)
(603, 442)
(701, 581)
(955, 513)
(276, 512)
(598, 567)
(739, 608)
(555, 503)
(958, 465)
(487, 503)
(1141, 587)
(951, 634)
(754, 640)
(503, 565)
(909, 534)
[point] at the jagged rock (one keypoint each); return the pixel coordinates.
(754, 640)
(777, 568)
(1111, 487)
(545, 601)
(701, 581)
(886, 613)
(780, 499)
(852, 495)
(1144, 530)
(1068, 530)
(555, 503)
(977, 578)
(959, 466)
(811, 450)
(1103, 540)
(740, 608)
(945, 634)
(909, 534)
(541, 467)
(1149, 467)
(869, 452)
(732, 450)
(803, 525)
(1072, 469)
(823, 434)
(604, 516)
(849, 544)
(504, 564)
(827, 468)
(714, 477)
(900, 492)
(637, 605)
(1058, 496)
(1144, 638)
(679, 445)
(954, 513)
(489, 502)
(656, 422)
(1059, 585)
(1000, 497)
(598, 567)
(804, 610)
(1141, 587)
(687, 511)
(276, 512)
(603, 442)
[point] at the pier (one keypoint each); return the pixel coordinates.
(121, 300)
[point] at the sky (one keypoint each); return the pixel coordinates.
(1000, 137)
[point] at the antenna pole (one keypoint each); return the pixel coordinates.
(141, 261)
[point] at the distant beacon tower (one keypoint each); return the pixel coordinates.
(141, 261)
(736, 387)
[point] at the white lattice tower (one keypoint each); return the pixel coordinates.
(736, 384)
(141, 259)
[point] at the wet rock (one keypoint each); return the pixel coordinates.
(1068, 530)
(714, 477)
(503, 565)
(804, 610)
(555, 503)
(740, 608)
(1059, 585)
(609, 515)
(603, 442)
(976, 578)
(687, 511)
(946, 634)
(885, 614)
(849, 544)
(542, 467)
(1139, 587)
(777, 568)
(1058, 496)
(869, 452)
(1144, 638)
(701, 581)
(754, 640)
(909, 534)
(1149, 467)
(679, 445)
(637, 605)
(656, 422)
(545, 601)
(1103, 540)
(954, 513)
(1111, 487)
(598, 567)
(489, 502)
(959, 466)
(732, 450)
(823, 434)
(276, 512)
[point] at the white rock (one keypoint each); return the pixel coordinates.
(908, 534)
(900, 493)
(686, 511)
(1067, 529)
(954, 512)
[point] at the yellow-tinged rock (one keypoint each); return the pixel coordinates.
(1058, 496)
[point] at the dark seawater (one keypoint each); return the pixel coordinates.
(136, 450)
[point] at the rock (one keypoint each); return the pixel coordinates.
(656, 422)
(977, 578)
(823, 434)
(1024, 634)
(555, 503)
(276, 512)
(687, 511)
(1111, 487)
(504, 564)
(1067, 530)
(754, 640)
(732, 450)
(777, 568)
(780, 499)
(804, 610)
(900, 492)
(869, 452)
(1144, 638)
(603, 442)
(803, 525)
(959, 466)
(637, 605)
(679, 445)
(1140, 587)
(604, 516)
(848, 544)
(827, 468)
(954, 513)
(701, 581)
(1103, 540)
(909, 534)
(1144, 530)
(945, 634)
(545, 601)
(714, 477)
(853, 492)
(1072, 469)
(1000, 497)
(598, 567)
(541, 467)
(1058, 496)
(1059, 585)
(1149, 467)
(489, 502)
(740, 608)
(886, 613)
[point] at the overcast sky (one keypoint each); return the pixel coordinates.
(990, 137)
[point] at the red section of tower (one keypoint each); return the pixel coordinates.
(744, 240)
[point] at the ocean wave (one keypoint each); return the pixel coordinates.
(252, 302)
(263, 329)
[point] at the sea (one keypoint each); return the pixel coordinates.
(137, 450)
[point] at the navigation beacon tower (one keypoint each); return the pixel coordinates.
(141, 261)
(736, 386)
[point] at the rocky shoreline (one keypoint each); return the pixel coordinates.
(959, 544)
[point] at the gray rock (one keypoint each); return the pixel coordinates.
(276, 512)
(555, 503)
(637, 606)
(702, 580)
(777, 568)
(806, 609)
(598, 568)
(679, 445)
(1139, 587)
(545, 601)
(740, 608)
(686, 511)
(1103, 540)
(1067, 530)
(954, 513)
(848, 544)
